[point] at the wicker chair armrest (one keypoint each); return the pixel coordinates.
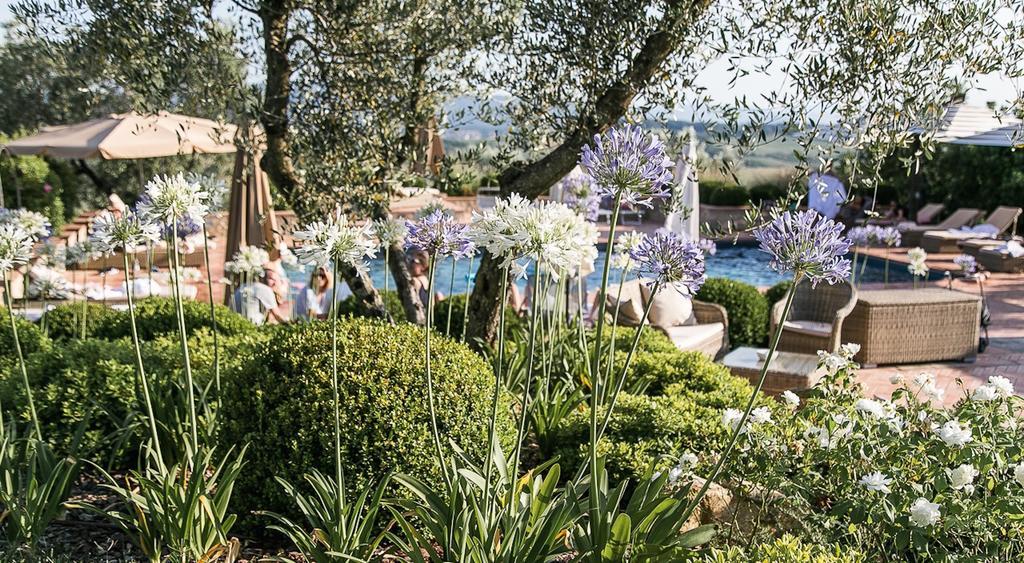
(840, 316)
(776, 314)
(708, 313)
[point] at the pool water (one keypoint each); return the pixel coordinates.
(741, 262)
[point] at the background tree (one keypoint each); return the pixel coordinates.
(341, 85)
(853, 75)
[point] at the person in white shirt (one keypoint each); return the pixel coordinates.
(314, 301)
(825, 193)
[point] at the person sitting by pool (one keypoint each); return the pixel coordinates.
(314, 301)
(418, 262)
(263, 301)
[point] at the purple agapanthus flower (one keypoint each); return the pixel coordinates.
(889, 236)
(669, 259)
(858, 236)
(708, 246)
(186, 227)
(439, 234)
(807, 244)
(627, 161)
(968, 264)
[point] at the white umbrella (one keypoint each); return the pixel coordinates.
(685, 219)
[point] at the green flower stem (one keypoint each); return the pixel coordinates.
(138, 364)
(853, 270)
(176, 283)
(750, 404)
(531, 352)
(615, 323)
(85, 298)
(427, 327)
(451, 291)
(488, 461)
(886, 281)
(595, 384)
(21, 357)
(387, 264)
(213, 311)
(863, 266)
(334, 387)
(42, 320)
(465, 302)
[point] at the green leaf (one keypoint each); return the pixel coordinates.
(615, 549)
(698, 536)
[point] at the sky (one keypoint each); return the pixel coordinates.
(991, 88)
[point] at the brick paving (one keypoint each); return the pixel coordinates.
(1004, 356)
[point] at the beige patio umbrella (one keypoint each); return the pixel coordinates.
(429, 148)
(129, 136)
(251, 218)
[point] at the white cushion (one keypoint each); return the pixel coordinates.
(810, 328)
(670, 308)
(695, 337)
(630, 303)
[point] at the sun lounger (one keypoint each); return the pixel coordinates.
(912, 234)
(945, 241)
(1008, 258)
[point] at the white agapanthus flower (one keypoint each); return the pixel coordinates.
(15, 247)
(390, 231)
(1018, 473)
(552, 232)
(985, 393)
(83, 252)
(213, 189)
(335, 240)
(917, 254)
(870, 407)
(168, 199)
(791, 399)
(48, 284)
(35, 225)
(962, 476)
(624, 243)
(876, 482)
(110, 233)
(249, 260)
(924, 513)
(953, 434)
(1002, 385)
(918, 265)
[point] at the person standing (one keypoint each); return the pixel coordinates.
(825, 193)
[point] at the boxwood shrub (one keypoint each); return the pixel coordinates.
(92, 382)
(29, 334)
(747, 309)
(349, 306)
(154, 317)
(680, 410)
(280, 402)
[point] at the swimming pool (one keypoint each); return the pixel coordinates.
(741, 262)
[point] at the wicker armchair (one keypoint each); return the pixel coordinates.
(816, 317)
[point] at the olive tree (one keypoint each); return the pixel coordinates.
(853, 75)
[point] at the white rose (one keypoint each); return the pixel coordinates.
(731, 419)
(1001, 385)
(924, 513)
(791, 399)
(761, 415)
(962, 476)
(985, 393)
(877, 482)
(870, 407)
(953, 434)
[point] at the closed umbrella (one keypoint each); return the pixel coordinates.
(684, 219)
(251, 218)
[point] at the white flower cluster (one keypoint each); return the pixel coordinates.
(249, 260)
(731, 418)
(48, 284)
(828, 438)
(168, 199)
(335, 240)
(34, 224)
(110, 233)
(918, 262)
(515, 230)
(625, 243)
(687, 462)
(15, 247)
(998, 387)
(954, 434)
(390, 231)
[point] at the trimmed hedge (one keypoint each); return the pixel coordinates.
(154, 317)
(786, 549)
(30, 336)
(679, 411)
(747, 309)
(93, 381)
(777, 292)
(280, 402)
(350, 307)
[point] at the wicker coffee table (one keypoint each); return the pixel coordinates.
(788, 370)
(905, 326)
